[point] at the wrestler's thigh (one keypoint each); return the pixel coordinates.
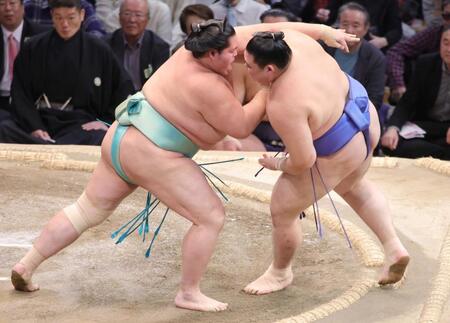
(180, 184)
(106, 188)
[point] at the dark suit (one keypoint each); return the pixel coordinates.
(414, 106)
(29, 29)
(369, 70)
(154, 51)
(98, 86)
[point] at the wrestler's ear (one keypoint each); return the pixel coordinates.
(269, 68)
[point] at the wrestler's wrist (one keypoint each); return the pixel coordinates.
(279, 163)
(326, 33)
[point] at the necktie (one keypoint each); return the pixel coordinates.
(12, 53)
(231, 17)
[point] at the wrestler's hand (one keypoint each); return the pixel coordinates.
(390, 138)
(94, 125)
(337, 38)
(272, 163)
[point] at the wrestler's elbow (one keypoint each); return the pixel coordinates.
(298, 166)
(240, 132)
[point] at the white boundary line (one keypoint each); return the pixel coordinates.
(16, 245)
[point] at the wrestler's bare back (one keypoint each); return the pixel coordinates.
(305, 88)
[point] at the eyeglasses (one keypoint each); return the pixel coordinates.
(446, 15)
(137, 15)
(12, 3)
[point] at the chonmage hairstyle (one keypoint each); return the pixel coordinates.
(208, 35)
(269, 48)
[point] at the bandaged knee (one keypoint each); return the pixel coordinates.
(84, 215)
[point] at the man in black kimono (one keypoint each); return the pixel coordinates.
(65, 82)
(141, 51)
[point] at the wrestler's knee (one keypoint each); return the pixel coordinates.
(83, 214)
(282, 215)
(213, 217)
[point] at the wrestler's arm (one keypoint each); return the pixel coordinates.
(291, 124)
(332, 37)
(226, 114)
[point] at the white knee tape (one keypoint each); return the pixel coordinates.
(84, 215)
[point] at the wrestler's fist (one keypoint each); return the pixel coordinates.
(337, 38)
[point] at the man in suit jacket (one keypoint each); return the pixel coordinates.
(13, 32)
(141, 51)
(65, 82)
(364, 62)
(426, 103)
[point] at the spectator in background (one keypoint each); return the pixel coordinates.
(407, 50)
(277, 15)
(195, 13)
(14, 31)
(239, 12)
(385, 24)
(160, 17)
(64, 81)
(314, 10)
(364, 62)
(426, 104)
(38, 11)
(432, 12)
(141, 51)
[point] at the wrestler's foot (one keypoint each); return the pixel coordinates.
(271, 281)
(198, 302)
(21, 279)
(397, 259)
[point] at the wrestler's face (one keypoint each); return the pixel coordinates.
(260, 75)
(223, 61)
(67, 21)
(445, 47)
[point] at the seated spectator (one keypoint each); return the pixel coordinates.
(160, 17)
(364, 62)
(64, 81)
(426, 41)
(141, 51)
(426, 103)
(315, 11)
(295, 7)
(385, 24)
(432, 13)
(14, 31)
(38, 11)
(277, 15)
(195, 13)
(238, 12)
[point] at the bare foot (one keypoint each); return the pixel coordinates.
(271, 281)
(396, 261)
(198, 302)
(394, 271)
(21, 280)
